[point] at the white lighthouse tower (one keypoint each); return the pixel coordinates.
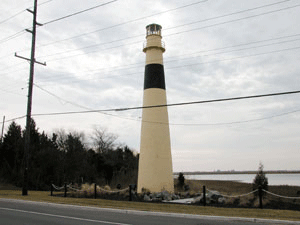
(155, 162)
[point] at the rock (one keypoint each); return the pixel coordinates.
(147, 198)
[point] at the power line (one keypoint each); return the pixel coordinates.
(82, 11)
(236, 122)
(187, 124)
(52, 21)
(188, 65)
(20, 12)
(238, 12)
(169, 105)
(229, 14)
(46, 2)
(56, 59)
(176, 33)
(246, 56)
(172, 124)
(245, 44)
(17, 118)
(234, 20)
(239, 57)
(92, 46)
(144, 17)
(251, 9)
(207, 62)
(127, 22)
(11, 17)
(209, 50)
(12, 36)
(76, 104)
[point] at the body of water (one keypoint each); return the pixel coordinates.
(273, 179)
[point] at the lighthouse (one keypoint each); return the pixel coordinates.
(155, 161)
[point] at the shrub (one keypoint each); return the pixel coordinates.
(260, 180)
(181, 180)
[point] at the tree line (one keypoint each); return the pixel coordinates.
(66, 157)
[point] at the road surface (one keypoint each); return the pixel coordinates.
(14, 212)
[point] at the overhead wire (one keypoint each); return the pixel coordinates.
(123, 23)
(76, 104)
(256, 7)
(234, 50)
(20, 12)
(170, 105)
(176, 104)
(188, 65)
(171, 28)
(236, 122)
(238, 57)
(76, 13)
(229, 14)
(11, 17)
(94, 45)
(155, 14)
(181, 66)
(215, 49)
(13, 36)
(194, 64)
(43, 3)
(234, 20)
(52, 21)
(16, 118)
(172, 124)
(18, 34)
(172, 34)
(190, 124)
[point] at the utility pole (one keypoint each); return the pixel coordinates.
(29, 101)
(2, 129)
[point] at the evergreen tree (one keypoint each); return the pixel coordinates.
(181, 180)
(11, 153)
(260, 179)
(65, 158)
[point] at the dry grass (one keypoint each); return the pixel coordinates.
(224, 187)
(5, 186)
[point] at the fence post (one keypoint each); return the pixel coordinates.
(204, 196)
(260, 195)
(65, 195)
(95, 191)
(51, 190)
(130, 192)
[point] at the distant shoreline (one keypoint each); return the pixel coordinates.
(239, 172)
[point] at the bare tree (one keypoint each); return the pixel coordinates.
(103, 141)
(62, 138)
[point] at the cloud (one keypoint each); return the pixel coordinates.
(211, 52)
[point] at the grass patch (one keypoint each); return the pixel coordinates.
(155, 207)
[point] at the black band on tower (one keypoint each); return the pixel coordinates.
(154, 76)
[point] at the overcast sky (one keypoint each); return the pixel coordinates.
(214, 49)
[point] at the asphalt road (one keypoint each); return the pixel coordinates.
(20, 212)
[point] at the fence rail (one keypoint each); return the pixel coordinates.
(280, 196)
(205, 194)
(96, 188)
